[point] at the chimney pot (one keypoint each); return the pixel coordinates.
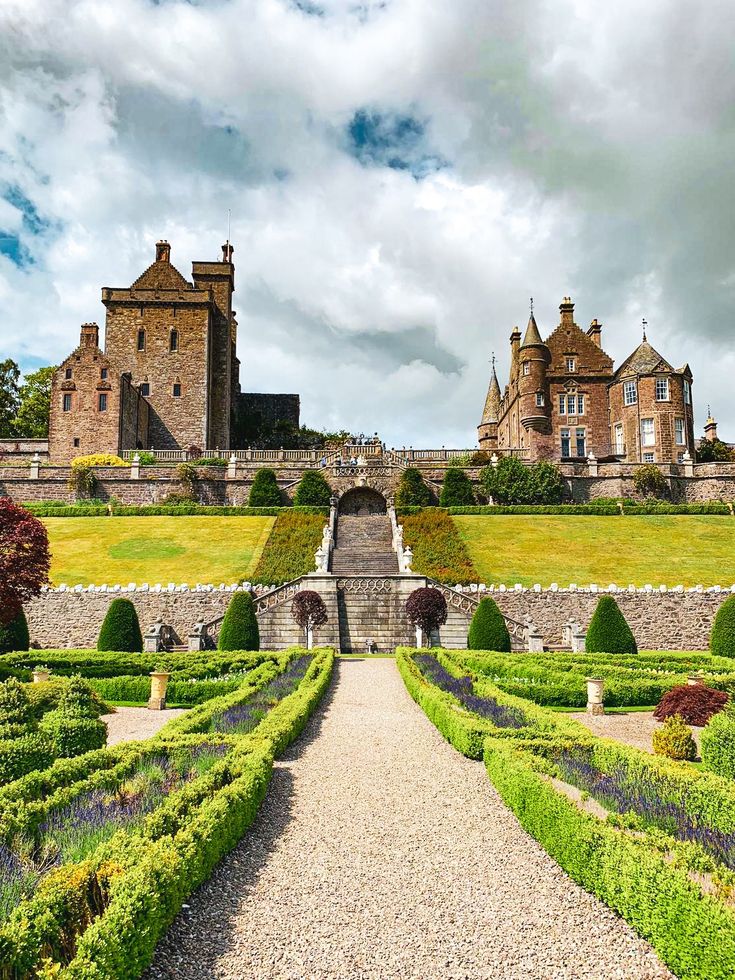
(163, 251)
(90, 335)
(227, 250)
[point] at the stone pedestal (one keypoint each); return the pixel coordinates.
(40, 675)
(159, 684)
(135, 467)
(595, 688)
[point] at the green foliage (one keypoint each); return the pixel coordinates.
(23, 754)
(649, 481)
(313, 490)
(15, 708)
(47, 696)
(121, 630)
(718, 743)
(9, 397)
(239, 630)
(264, 491)
(412, 491)
(438, 550)
(512, 482)
(290, 549)
(456, 489)
(714, 451)
(674, 740)
(722, 637)
(608, 631)
(546, 484)
(15, 635)
(71, 734)
(82, 481)
(34, 396)
(487, 629)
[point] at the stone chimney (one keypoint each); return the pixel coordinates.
(566, 308)
(594, 331)
(227, 251)
(90, 335)
(710, 427)
(163, 251)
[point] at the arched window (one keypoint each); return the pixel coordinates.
(173, 343)
(141, 340)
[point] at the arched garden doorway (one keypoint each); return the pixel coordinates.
(362, 502)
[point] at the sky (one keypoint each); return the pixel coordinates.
(402, 177)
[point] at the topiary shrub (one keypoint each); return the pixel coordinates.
(456, 489)
(15, 635)
(412, 491)
(239, 630)
(718, 743)
(487, 629)
(722, 637)
(264, 491)
(312, 490)
(16, 716)
(695, 703)
(71, 734)
(674, 740)
(48, 695)
(120, 630)
(30, 752)
(608, 631)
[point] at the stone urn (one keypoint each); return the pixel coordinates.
(693, 680)
(595, 689)
(41, 675)
(159, 685)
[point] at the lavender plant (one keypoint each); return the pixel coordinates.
(243, 718)
(462, 689)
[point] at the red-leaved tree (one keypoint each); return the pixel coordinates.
(427, 609)
(309, 611)
(24, 558)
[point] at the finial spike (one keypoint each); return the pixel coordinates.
(644, 323)
(532, 306)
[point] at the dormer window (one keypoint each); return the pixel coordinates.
(662, 389)
(173, 343)
(141, 340)
(571, 365)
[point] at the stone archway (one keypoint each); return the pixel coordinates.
(362, 502)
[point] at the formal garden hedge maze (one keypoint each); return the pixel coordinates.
(99, 851)
(653, 838)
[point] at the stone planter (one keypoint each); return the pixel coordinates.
(41, 675)
(693, 680)
(595, 689)
(159, 684)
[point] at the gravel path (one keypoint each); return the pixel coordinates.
(380, 852)
(129, 724)
(634, 729)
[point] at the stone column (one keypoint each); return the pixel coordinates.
(232, 468)
(35, 467)
(159, 684)
(534, 639)
(688, 463)
(135, 468)
(595, 688)
(592, 465)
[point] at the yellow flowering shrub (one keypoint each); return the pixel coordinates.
(98, 459)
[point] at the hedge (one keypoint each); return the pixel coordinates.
(112, 664)
(438, 550)
(290, 548)
(722, 638)
(164, 510)
(14, 635)
(718, 743)
(488, 630)
(239, 629)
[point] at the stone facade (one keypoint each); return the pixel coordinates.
(564, 400)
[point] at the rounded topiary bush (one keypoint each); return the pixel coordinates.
(674, 740)
(456, 489)
(239, 630)
(312, 490)
(695, 703)
(412, 491)
(120, 630)
(487, 629)
(14, 636)
(70, 734)
(264, 491)
(30, 752)
(722, 637)
(718, 743)
(608, 631)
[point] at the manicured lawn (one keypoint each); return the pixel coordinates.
(668, 550)
(183, 550)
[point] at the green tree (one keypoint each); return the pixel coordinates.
(649, 481)
(456, 489)
(121, 630)
(488, 630)
(31, 421)
(412, 491)
(714, 451)
(312, 490)
(546, 483)
(722, 637)
(9, 397)
(14, 636)
(264, 491)
(508, 482)
(239, 630)
(608, 631)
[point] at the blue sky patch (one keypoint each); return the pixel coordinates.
(11, 243)
(389, 139)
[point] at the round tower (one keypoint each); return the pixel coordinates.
(534, 358)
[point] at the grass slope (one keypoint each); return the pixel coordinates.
(667, 550)
(184, 550)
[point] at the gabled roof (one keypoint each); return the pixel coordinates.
(532, 336)
(161, 275)
(491, 412)
(645, 359)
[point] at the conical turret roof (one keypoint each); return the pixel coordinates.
(532, 336)
(491, 412)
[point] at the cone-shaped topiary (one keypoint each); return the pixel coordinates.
(239, 630)
(487, 629)
(15, 635)
(608, 631)
(312, 490)
(456, 489)
(412, 491)
(264, 491)
(722, 638)
(121, 630)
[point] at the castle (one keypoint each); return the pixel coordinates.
(168, 378)
(565, 401)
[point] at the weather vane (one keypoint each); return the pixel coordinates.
(645, 324)
(532, 306)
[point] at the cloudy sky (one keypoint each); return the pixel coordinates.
(402, 174)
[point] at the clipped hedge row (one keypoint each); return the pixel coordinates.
(602, 509)
(165, 510)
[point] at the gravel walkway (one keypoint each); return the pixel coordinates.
(634, 729)
(380, 852)
(129, 724)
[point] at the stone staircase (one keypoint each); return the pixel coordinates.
(364, 546)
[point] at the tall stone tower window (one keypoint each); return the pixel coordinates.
(68, 374)
(526, 367)
(679, 431)
(662, 389)
(173, 343)
(145, 389)
(103, 374)
(687, 393)
(648, 433)
(630, 393)
(141, 340)
(539, 399)
(66, 404)
(177, 390)
(103, 402)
